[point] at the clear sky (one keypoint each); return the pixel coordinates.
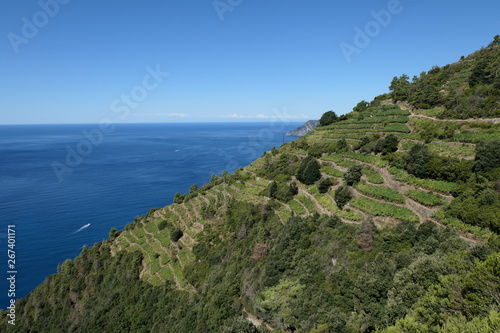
(70, 61)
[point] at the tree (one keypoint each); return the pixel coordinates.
(113, 233)
(193, 188)
(342, 196)
(361, 106)
(353, 174)
(487, 156)
(308, 171)
(272, 188)
(214, 179)
(400, 88)
(341, 145)
(176, 235)
(417, 160)
(178, 198)
(162, 225)
(386, 145)
(284, 301)
(324, 185)
(328, 118)
(366, 234)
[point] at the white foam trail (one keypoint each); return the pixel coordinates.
(84, 227)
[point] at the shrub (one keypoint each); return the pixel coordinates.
(324, 185)
(178, 198)
(388, 144)
(309, 171)
(162, 225)
(417, 160)
(328, 118)
(193, 188)
(342, 196)
(176, 235)
(353, 174)
(487, 156)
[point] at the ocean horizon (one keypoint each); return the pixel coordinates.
(66, 185)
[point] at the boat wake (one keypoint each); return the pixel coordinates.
(82, 228)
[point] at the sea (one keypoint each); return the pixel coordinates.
(65, 186)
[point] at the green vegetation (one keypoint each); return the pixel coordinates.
(308, 171)
(383, 209)
(433, 185)
(373, 176)
(353, 175)
(328, 118)
(381, 192)
(342, 196)
(426, 198)
(248, 244)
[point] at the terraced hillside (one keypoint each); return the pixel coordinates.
(384, 219)
(387, 193)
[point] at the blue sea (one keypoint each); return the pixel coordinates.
(66, 186)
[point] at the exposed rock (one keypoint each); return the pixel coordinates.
(304, 129)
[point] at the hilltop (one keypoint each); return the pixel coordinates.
(384, 219)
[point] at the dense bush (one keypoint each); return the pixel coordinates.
(176, 235)
(324, 185)
(309, 171)
(342, 196)
(487, 156)
(328, 118)
(353, 174)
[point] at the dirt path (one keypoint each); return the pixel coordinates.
(469, 120)
(256, 321)
(318, 206)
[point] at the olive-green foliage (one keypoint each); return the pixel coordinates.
(417, 160)
(425, 198)
(113, 233)
(342, 196)
(467, 89)
(193, 188)
(361, 106)
(387, 144)
(487, 156)
(383, 209)
(328, 118)
(176, 234)
(282, 191)
(179, 198)
(353, 174)
(381, 192)
(324, 185)
(309, 171)
(400, 88)
(478, 203)
(309, 275)
(162, 225)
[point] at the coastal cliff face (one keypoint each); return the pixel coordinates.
(304, 129)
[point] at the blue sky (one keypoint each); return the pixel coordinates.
(227, 60)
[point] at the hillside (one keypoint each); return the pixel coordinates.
(384, 219)
(307, 127)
